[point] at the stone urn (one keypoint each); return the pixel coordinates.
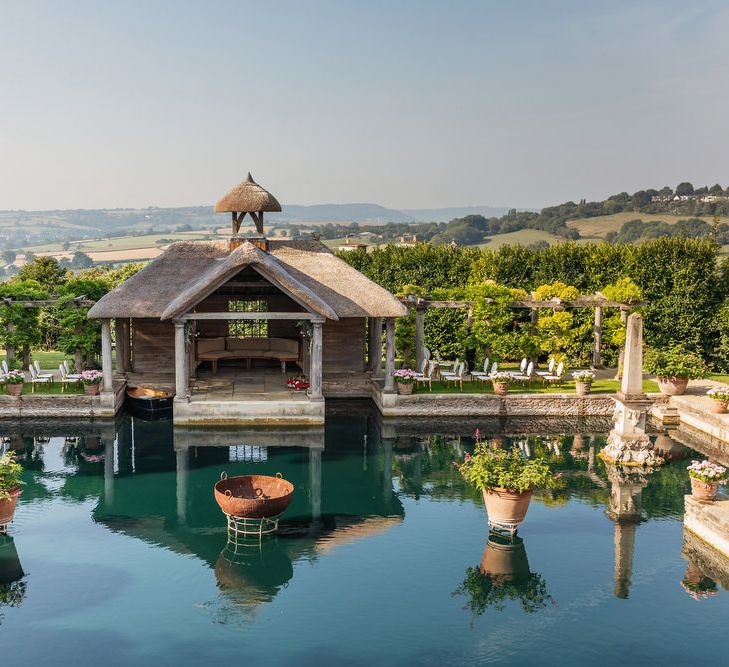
(719, 407)
(15, 389)
(506, 507)
(705, 491)
(583, 388)
(405, 388)
(8, 505)
(501, 388)
(92, 389)
(672, 386)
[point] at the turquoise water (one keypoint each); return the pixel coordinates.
(123, 555)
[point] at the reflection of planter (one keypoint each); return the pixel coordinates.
(583, 388)
(501, 388)
(666, 447)
(8, 505)
(91, 389)
(703, 490)
(672, 386)
(505, 507)
(10, 568)
(719, 407)
(405, 388)
(505, 557)
(696, 583)
(15, 389)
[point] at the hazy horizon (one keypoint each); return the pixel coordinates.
(409, 105)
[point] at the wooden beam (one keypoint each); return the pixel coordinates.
(252, 316)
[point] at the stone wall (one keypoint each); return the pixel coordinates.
(601, 405)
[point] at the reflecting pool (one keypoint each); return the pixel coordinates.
(118, 553)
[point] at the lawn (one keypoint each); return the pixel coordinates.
(522, 237)
(568, 387)
(592, 229)
(49, 361)
(54, 388)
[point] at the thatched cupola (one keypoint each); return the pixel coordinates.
(247, 198)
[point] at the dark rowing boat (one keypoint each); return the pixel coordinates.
(149, 403)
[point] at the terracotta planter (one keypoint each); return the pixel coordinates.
(505, 507)
(703, 490)
(10, 568)
(672, 386)
(718, 407)
(15, 389)
(7, 507)
(405, 388)
(501, 388)
(92, 389)
(583, 388)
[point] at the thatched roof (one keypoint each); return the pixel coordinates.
(188, 271)
(247, 197)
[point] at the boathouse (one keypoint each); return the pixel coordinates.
(225, 323)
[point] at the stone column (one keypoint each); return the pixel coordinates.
(596, 362)
(181, 373)
(374, 346)
(419, 338)
(183, 474)
(621, 355)
(106, 363)
(387, 444)
(315, 372)
(390, 356)
(632, 383)
(533, 328)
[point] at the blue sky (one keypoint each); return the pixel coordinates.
(406, 104)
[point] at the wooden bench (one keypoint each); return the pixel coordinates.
(247, 349)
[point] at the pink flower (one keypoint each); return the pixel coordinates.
(468, 456)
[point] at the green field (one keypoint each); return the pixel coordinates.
(592, 229)
(522, 237)
(119, 243)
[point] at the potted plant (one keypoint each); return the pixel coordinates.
(583, 382)
(91, 380)
(697, 584)
(507, 480)
(405, 379)
(297, 383)
(705, 479)
(10, 472)
(501, 381)
(673, 367)
(719, 399)
(14, 380)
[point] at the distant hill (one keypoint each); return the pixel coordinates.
(373, 213)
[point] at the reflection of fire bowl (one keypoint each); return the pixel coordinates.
(252, 575)
(253, 496)
(669, 449)
(504, 557)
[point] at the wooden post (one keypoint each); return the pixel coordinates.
(119, 335)
(126, 338)
(180, 362)
(374, 346)
(419, 338)
(390, 356)
(315, 371)
(533, 328)
(182, 478)
(106, 363)
(597, 345)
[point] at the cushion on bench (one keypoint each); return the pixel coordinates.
(210, 345)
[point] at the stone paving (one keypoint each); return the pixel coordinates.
(233, 384)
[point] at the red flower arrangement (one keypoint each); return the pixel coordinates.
(297, 383)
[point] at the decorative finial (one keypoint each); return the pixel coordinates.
(250, 178)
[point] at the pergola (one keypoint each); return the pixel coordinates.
(596, 301)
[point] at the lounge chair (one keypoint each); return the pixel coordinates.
(37, 379)
(40, 373)
(525, 377)
(481, 375)
(550, 368)
(455, 376)
(522, 366)
(67, 378)
(558, 377)
(444, 364)
(427, 375)
(5, 366)
(494, 368)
